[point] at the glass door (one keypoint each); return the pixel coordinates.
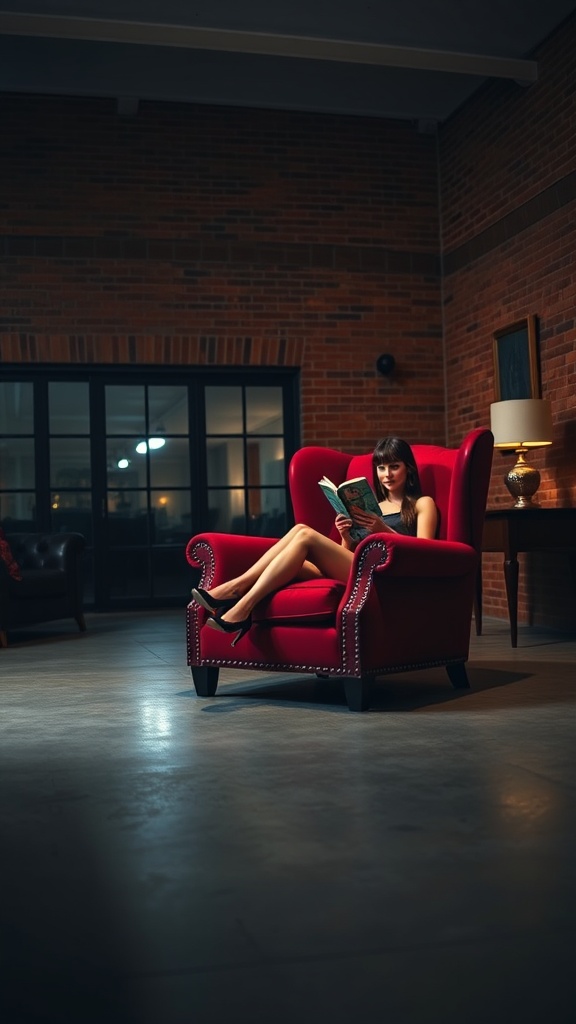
(18, 504)
(146, 502)
(245, 459)
(140, 461)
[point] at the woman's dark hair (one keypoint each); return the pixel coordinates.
(394, 449)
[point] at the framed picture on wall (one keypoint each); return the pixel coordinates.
(516, 361)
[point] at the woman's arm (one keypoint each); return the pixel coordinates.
(370, 522)
(426, 517)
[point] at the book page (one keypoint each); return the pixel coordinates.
(332, 495)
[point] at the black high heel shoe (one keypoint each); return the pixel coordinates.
(240, 628)
(202, 597)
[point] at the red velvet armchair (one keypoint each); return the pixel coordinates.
(407, 604)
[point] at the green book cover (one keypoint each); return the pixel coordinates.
(356, 492)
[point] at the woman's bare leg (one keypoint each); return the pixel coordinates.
(239, 585)
(305, 555)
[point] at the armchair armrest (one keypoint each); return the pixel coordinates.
(413, 556)
(438, 576)
(221, 556)
(47, 550)
(399, 556)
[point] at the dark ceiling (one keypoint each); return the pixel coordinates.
(378, 58)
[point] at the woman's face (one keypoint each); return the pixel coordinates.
(392, 476)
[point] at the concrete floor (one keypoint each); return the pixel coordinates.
(269, 856)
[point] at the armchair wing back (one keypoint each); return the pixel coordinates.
(447, 474)
(407, 603)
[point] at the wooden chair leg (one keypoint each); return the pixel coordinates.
(81, 623)
(3, 638)
(358, 693)
(458, 676)
(205, 679)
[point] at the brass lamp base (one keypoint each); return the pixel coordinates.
(523, 481)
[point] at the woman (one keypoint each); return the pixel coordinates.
(305, 554)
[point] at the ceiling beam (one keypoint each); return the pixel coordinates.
(269, 44)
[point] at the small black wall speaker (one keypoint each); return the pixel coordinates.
(385, 364)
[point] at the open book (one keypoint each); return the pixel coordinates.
(356, 492)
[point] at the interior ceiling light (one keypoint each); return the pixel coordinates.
(153, 443)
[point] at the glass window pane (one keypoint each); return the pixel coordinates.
(172, 517)
(127, 503)
(170, 465)
(88, 573)
(18, 512)
(70, 462)
(225, 463)
(125, 409)
(128, 574)
(170, 573)
(125, 466)
(226, 511)
(266, 461)
(168, 409)
(17, 463)
(267, 512)
(16, 407)
(68, 407)
(223, 410)
(128, 518)
(71, 513)
(264, 411)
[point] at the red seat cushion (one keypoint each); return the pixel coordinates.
(313, 601)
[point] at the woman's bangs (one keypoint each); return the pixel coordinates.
(386, 453)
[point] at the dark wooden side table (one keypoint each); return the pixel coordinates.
(511, 530)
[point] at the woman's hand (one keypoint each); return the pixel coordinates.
(369, 521)
(344, 525)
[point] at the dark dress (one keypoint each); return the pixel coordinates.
(394, 520)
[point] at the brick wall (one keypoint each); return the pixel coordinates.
(219, 236)
(508, 194)
(213, 236)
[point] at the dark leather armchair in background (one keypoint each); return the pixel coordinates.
(51, 586)
(407, 604)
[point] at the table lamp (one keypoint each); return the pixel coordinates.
(521, 424)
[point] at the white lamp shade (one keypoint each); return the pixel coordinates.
(521, 423)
